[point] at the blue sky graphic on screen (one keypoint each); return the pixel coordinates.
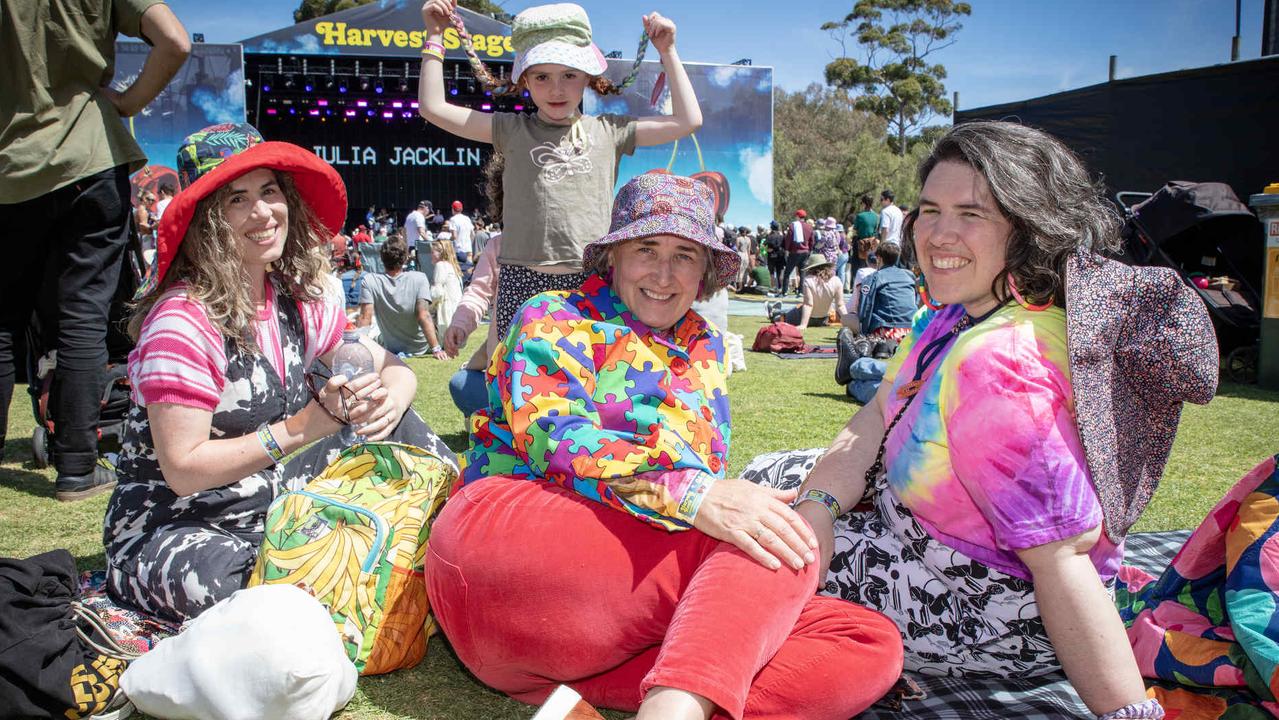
(209, 89)
(736, 138)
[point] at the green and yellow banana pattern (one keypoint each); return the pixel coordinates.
(355, 538)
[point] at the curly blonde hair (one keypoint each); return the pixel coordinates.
(211, 266)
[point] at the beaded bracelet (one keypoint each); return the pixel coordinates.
(1146, 710)
(269, 444)
(824, 498)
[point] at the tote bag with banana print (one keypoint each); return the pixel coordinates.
(355, 538)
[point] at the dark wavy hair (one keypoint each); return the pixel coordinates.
(1045, 192)
(395, 252)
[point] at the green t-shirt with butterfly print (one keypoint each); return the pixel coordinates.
(558, 184)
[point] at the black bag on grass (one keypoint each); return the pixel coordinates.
(47, 669)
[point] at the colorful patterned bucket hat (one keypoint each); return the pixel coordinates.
(558, 33)
(665, 204)
(218, 154)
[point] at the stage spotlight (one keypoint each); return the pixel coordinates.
(487, 107)
(289, 81)
(266, 88)
(364, 83)
(453, 91)
(470, 87)
(271, 111)
(329, 84)
(308, 85)
(377, 87)
(342, 86)
(404, 86)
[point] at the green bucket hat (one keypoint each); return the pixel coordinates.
(559, 34)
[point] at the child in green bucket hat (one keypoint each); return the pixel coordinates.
(561, 165)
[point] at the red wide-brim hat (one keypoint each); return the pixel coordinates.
(317, 182)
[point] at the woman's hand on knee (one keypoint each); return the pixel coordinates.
(759, 521)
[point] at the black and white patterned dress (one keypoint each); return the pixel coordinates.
(177, 556)
(957, 617)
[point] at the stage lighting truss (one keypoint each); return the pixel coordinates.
(313, 89)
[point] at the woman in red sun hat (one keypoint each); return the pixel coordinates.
(235, 330)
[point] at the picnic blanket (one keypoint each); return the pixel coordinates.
(810, 352)
(1044, 698)
(1202, 613)
(1211, 619)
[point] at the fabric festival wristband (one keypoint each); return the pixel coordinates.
(428, 52)
(1147, 710)
(272, 448)
(694, 495)
(825, 499)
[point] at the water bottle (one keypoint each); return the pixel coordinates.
(352, 359)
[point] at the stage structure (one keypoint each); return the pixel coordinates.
(733, 150)
(345, 86)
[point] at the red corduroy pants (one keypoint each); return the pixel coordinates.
(535, 586)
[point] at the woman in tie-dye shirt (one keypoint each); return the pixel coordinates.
(986, 540)
(596, 541)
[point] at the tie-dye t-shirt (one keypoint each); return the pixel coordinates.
(988, 456)
(584, 395)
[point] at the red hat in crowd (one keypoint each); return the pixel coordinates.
(457, 206)
(219, 154)
(801, 214)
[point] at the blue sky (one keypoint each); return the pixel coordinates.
(1008, 50)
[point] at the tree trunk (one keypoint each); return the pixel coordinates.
(901, 134)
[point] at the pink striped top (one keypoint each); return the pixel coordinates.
(181, 359)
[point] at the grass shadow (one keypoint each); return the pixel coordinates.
(458, 442)
(1246, 392)
(26, 480)
(438, 687)
(91, 561)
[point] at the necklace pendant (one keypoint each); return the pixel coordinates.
(909, 389)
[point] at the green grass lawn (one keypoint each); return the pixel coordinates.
(776, 405)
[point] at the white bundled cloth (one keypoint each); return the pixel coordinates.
(265, 652)
(735, 358)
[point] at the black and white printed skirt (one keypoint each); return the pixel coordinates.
(957, 616)
(516, 284)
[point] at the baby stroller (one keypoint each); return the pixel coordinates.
(40, 363)
(1214, 242)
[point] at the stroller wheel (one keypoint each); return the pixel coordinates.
(1241, 365)
(40, 447)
